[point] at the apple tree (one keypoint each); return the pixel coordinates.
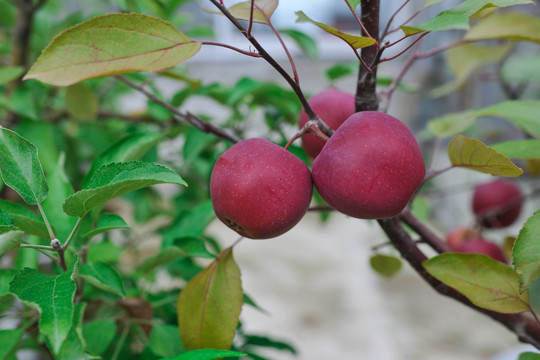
(93, 213)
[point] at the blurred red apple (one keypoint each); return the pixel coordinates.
(370, 167)
(333, 106)
(497, 203)
(482, 246)
(459, 235)
(259, 189)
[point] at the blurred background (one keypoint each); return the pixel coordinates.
(314, 284)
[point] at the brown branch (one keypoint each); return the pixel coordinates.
(269, 59)
(366, 96)
(526, 329)
(190, 118)
(425, 233)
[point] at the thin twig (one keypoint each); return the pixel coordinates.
(387, 27)
(190, 118)
(47, 224)
(244, 52)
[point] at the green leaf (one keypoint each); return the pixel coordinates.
(475, 155)
(193, 246)
(130, 147)
(165, 340)
(9, 241)
(465, 60)
(163, 257)
(104, 251)
(486, 282)
(110, 45)
(53, 298)
(304, 42)
(24, 219)
(262, 10)
(9, 73)
(256, 340)
(207, 354)
(20, 167)
(73, 346)
(6, 225)
(6, 276)
(458, 17)
(534, 296)
(522, 67)
(60, 189)
(107, 222)
(190, 224)
(210, 304)
(526, 252)
(451, 124)
(8, 341)
(354, 3)
(354, 41)
(385, 265)
(99, 334)
(519, 149)
(529, 356)
(522, 113)
(508, 26)
(82, 102)
(117, 179)
(104, 277)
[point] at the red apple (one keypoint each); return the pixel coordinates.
(259, 189)
(333, 106)
(497, 203)
(459, 235)
(482, 246)
(370, 167)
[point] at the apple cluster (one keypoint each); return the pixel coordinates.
(496, 204)
(369, 169)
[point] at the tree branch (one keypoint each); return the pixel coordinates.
(526, 329)
(190, 118)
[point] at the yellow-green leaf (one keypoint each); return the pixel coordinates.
(509, 26)
(110, 45)
(451, 124)
(210, 304)
(486, 282)
(385, 265)
(82, 102)
(475, 155)
(458, 17)
(262, 10)
(356, 42)
(466, 59)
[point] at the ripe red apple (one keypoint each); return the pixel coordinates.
(259, 189)
(370, 167)
(497, 203)
(459, 235)
(482, 246)
(333, 106)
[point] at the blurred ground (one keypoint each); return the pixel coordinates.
(321, 295)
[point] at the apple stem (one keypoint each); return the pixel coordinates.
(314, 127)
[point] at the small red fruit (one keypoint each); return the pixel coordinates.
(458, 236)
(333, 106)
(482, 246)
(370, 167)
(259, 189)
(497, 203)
